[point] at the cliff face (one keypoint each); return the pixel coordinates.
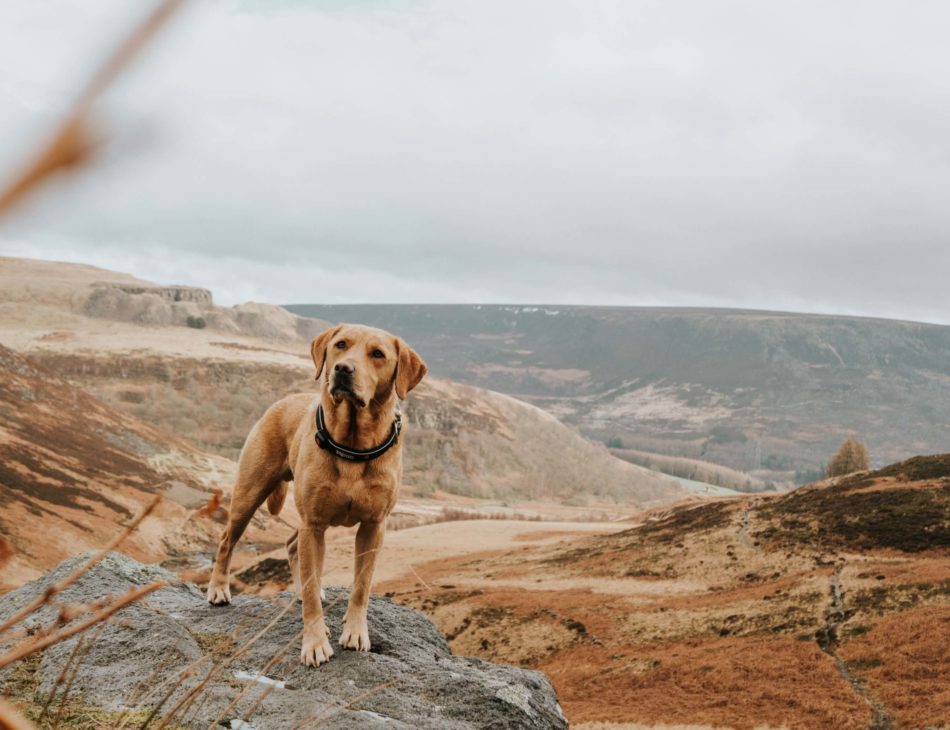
(49, 294)
(409, 680)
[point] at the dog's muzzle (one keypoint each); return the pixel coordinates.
(342, 388)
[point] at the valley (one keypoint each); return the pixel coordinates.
(771, 394)
(649, 601)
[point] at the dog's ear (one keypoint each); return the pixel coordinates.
(409, 370)
(318, 348)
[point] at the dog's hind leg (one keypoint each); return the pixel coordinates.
(260, 472)
(293, 558)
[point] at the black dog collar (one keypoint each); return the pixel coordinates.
(328, 444)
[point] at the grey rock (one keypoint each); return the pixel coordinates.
(410, 679)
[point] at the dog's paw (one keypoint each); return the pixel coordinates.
(355, 636)
(316, 651)
(219, 595)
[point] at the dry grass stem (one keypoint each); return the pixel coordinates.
(62, 676)
(48, 594)
(140, 694)
(318, 718)
(29, 647)
(171, 690)
(72, 676)
(263, 672)
(217, 668)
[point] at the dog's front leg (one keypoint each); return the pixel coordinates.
(316, 648)
(369, 540)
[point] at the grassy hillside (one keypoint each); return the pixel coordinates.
(693, 469)
(763, 392)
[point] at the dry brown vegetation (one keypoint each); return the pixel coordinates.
(797, 611)
(20, 645)
(74, 467)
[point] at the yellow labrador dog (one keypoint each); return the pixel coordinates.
(343, 453)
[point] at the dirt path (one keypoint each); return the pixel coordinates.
(746, 522)
(828, 638)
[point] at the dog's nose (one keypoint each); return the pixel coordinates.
(344, 367)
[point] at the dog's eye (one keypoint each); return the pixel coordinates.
(378, 354)
(341, 345)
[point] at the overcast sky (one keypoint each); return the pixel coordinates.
(783, 155)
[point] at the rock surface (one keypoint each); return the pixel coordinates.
(409, 679)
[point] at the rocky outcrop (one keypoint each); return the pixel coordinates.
(410, 679)
(169, 293)
(193, 307)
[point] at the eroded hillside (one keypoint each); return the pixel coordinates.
(72, 470)
(461, 440)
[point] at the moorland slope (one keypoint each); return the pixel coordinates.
(72, 470)
(819, 608)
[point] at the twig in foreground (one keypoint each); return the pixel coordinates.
(29, 647)
(48, 594)
(72, 675)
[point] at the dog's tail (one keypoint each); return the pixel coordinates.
(275, 500)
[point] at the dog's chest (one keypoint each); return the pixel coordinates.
(343, 498)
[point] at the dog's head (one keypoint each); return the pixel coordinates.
(362, 364)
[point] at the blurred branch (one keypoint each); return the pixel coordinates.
(11, 719)
(72, 146)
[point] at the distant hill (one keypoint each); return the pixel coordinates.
(770, 393)
(36, 291)
(127, 343)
